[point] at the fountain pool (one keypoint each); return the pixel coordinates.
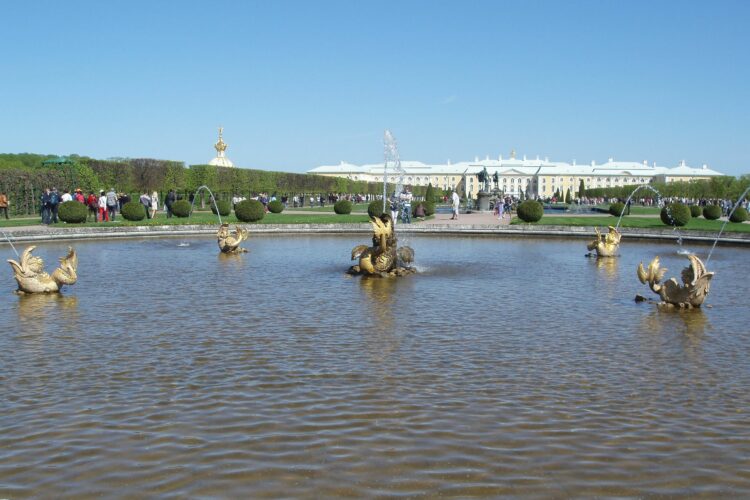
(505, 367)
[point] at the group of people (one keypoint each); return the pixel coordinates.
(102, 207)
(402, 204)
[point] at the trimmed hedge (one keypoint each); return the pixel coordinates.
(134, 211)
(224, 206)
(181, 208)
(695, 211)
(429, 208)
(530, 211)
(675, 214)
(275, 207)
(249, 211)
(739, 215)
(617, 209)
(72, 212)
(712, 212)
(375, 208)
(343, 207)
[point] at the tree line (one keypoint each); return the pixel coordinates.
(24, 176)
(717, 188)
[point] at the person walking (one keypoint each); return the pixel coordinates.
(4, 204)
(103, 212)
(456, 201)
(394, 209)
(93, 203)
(145, 200)
(154, 204)
(54, 201)
(171, 198)
(44, 200)
(111, 204)
(406, 198)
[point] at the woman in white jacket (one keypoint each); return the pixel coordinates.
(154, 203)
(103, 207)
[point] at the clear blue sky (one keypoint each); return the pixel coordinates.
(300, 84)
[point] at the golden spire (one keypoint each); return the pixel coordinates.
(220, 145)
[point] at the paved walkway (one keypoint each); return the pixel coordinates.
(474, 219)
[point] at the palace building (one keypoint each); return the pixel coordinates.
(535, 178)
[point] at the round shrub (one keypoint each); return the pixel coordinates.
(224, 206)
(275, 207)
(181, 208)
(134, 210)
(739, 215)
(530, 211)
(712, 212)
(675, 214)
(375, 208)
(695, 211)
(249, 211)
(616, 208)
(343, 207)
(72, 212)
(429, 208)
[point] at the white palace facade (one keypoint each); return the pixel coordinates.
(533, 177)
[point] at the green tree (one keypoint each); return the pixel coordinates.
(581, 189)
(568, 197)
(430, 193)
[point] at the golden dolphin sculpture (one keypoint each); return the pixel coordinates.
(606, 246)
(696, 283)
(384, 256)
(31, 278)
(230, 242)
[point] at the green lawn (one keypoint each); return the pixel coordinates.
(635, 209)
(207, 218)
(644, 222)
(359, 207)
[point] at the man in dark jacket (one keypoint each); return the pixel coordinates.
(171, 198)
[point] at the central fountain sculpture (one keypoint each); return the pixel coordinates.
(606, 246)
(694, 290)
(230, 242)
(31, 278)
(384, 258)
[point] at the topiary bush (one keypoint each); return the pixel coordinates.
(739, 215)
(675, 214)
(275, 207)
(712, 212)
(249, 211)
(72, 212)
(530, 211)
(224, 206)
(134, 211)
(695, 211)
(429, 208)
(375, 208)
(616, 208)
(343, 207)
(181, 208)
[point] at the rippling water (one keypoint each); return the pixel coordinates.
(505, 367)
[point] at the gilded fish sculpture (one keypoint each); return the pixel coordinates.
(31, 278)
(695, 278)
(606, 245)
(229, 242)
(384, 257)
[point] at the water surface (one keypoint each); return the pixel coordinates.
(505, 367)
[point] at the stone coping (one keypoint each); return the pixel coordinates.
(29, 234)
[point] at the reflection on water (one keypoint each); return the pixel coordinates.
(506, 367)
(608, 267)
(36, 307)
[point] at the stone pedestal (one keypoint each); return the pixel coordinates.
(483, 200)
